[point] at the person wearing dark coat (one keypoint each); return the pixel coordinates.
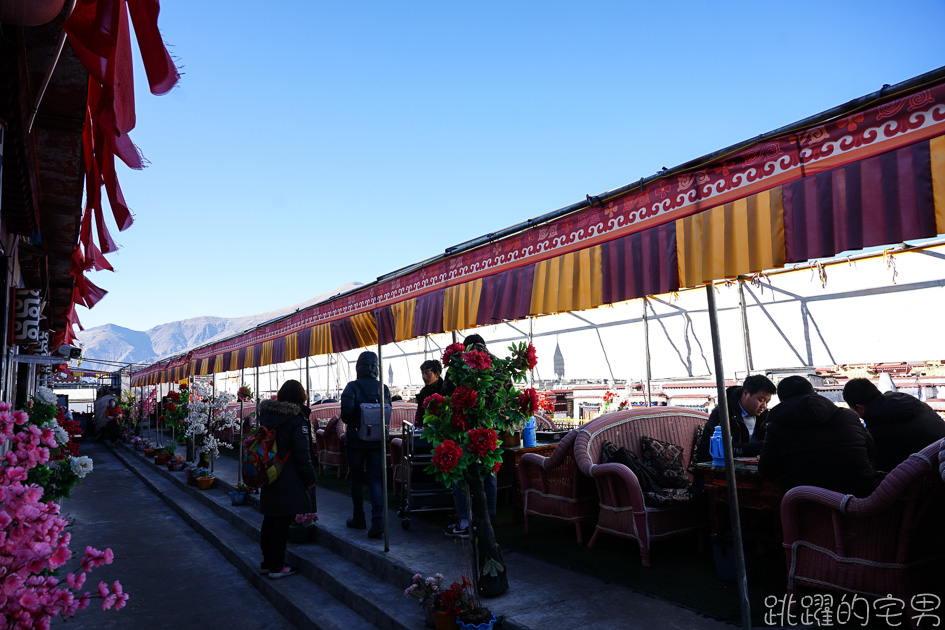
(812, 442)
(363, 454)
(432, 384)
(293, 491)
(899, 423)
(748, 418)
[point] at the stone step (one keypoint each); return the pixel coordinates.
(329, 588)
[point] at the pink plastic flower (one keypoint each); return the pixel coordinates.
(477, 360)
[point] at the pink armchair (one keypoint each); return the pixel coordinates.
(329, 442)
(553, 487)
(622, 509)
(889, 543)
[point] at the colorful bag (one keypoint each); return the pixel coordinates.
(262, 464)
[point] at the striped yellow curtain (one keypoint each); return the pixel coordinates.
(741, 237)
(321, 340)
(265, 354)
(291, 347)
(193, 367)
(937, 149)
(235, 361)
(403, 319)
(572, 282)
(218, 364)
(365, 329)
(204, 367)
(461, 305)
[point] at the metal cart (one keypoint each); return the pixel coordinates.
(422, 492)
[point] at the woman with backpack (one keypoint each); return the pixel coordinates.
(293, 491)
(363, 453)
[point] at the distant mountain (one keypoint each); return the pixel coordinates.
(116, 343)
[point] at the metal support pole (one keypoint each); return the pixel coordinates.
(531, 332)
(308, 382)
(646, 345)
(749, 364)
(741, 576)
(380, 378)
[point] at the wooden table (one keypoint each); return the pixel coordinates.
(508, 474)
(754, 492)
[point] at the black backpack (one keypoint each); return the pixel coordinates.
(644, 472)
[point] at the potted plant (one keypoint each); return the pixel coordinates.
(302, 528)
(176, 463)
(464, 428)
(459, 606)
(427, 590)
(148, 449)
(238, 495)
(204, 478)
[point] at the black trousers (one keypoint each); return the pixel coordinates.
(273, 537)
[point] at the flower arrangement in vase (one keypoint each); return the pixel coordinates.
(207, 416)
(176, 463)
(244, 393)
(302, 528)
(463, 428)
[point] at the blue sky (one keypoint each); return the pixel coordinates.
(310, 144)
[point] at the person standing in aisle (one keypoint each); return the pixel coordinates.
(293, 491)
(363, 455)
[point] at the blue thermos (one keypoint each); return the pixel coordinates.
(715, 448)
(528, 433)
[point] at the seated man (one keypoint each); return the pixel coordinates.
(899, 423)
(812, 442)
(747, 418)
(432, 384)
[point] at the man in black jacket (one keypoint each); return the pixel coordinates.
(432, 384)
(899, 423)
(748, 417)
(812, 442)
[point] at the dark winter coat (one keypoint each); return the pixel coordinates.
(289, 493)
(812, 442)
(351, 399)
(901, 425)
(744, 444)
(427, 391)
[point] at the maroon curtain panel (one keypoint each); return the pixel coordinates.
(428, 313)
(507, 295)
(278, 350)
(342, 335)
(305, 341)
(640, 264)
(384, 317)
(877, 201)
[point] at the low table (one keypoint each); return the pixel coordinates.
(508, 474)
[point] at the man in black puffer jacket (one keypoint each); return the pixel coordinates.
(361, 454)
(812, 442)
(899, 423)
(293, 490)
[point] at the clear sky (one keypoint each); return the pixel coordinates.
(310, 144)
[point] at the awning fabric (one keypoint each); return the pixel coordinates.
(872, 177)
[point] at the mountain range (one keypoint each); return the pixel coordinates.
(111, 342)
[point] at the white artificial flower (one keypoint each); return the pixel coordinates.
(81, 466)
(46, 396)
(62, 436)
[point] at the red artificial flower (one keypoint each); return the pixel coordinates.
(463, 398)
(458, 421)
(433, 403)
(528, 400)
(174, 396)
(531, 356)
(160, 418)
(170, 407)
(477, 359)
(451, 349)
(483, 441)
(496, 466)
(447, 455)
